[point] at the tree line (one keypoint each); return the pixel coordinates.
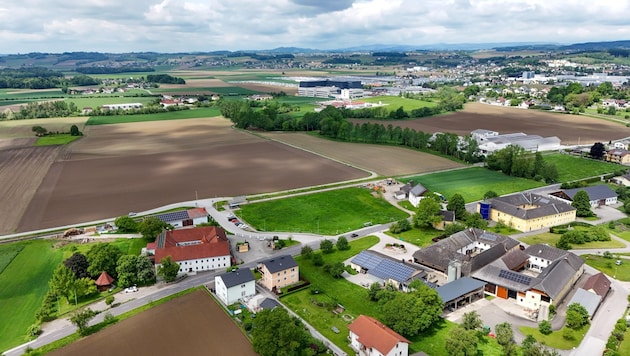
(40, 78)
(515, 161)
(164, 79)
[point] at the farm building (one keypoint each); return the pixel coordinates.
(235, 285)
(125, 106)
(598, 195)
(370, 337)
(196, 249)
(384, 269)
(403, 193)
(460, 292)
(530, 143)
(527, 211)
(540, 274)
(279, 272)
(598, 284)
(590, 301)
(183, 218)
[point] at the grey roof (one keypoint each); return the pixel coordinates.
(418, 190)
(383, 268)
(595, 192)
(406, 188)
(588, 300)
(441, 253)
(279, 263)
(237, 277)
(448, 215)
(513, 205)
(545, 251)
(458, 287)
(555, 277)
(515, 259)
(269, 303)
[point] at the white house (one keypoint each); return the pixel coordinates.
(234, 286)
(183, 218)
(370, 337)
(416, 194)
(598, 195)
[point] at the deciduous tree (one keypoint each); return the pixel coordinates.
(103, 257)
(134, 270)
(168, 269)
(471, 321)
(428, 213)
(457, 204)
(597, 150)
(342, 243)
(275, 332)
(151, 227)
(461, 342)
(81, 318)
(577, 316)
(62, 281)
(412, 313)
(326, 246)
(78, 264)
(126, 224)
(582, 202)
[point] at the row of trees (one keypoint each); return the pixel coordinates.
(515, 161)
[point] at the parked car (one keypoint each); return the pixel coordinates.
(132, 213)
(354, 235)
(131, 289)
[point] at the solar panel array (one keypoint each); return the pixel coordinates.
(173, 216)
(488, 237)
(515, 277)
(382, 267)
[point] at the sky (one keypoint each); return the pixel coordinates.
(209, 25)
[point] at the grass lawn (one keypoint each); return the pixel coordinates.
(328, 213)
(13, 94)
(127, 246)
(624, 347)
(394, 102)
(173, 115)
(24, 283)
(8, 253)
(573, 168)
(472, 183)
(232, 91)
(619, 231)
(53, 140)
(608, 266)
(419, 237)
(551, 239)
(555, 339)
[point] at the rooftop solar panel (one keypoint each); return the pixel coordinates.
(488, 237)
(515, 277)
(173, 216)
(383, 268)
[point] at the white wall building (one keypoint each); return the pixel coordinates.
(370, 337)
(234, 286)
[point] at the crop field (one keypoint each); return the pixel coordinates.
(31, 94)
(194, 324)
(472, 183)
(24, 283)
(96, 101)
(394, 102)
(329, 213)
(171, 115)
(571, 129)
(56, 140)
(383, 160)
(21, 172)
(115, 169)
(572, 168)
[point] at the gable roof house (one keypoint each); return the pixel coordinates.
(598, 195)
(235, 285)
(547, 276)
(617, 155)
(404, 191)
(598, 284)
(370, 337)
(196, 249)
(471, 249)
(279, 272)
(527, 211)
(384, 269)
(622, 180)
(183, 218)
(416, 194)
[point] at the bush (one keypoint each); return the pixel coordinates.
(34, 330)
(108, 318)
(109, 300)
(568, 335)
(608, 255)
(318, 260)
(544, 327)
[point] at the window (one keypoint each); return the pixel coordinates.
(292, 269)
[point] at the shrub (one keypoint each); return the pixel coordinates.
(544, 327)
(318, 260)
(109, 300)
(608, 255)
(552, 309)
(108, 318)
(34, 330)
(568, 335)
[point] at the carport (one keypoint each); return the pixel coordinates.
(460, 292)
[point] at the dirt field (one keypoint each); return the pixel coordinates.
(22, 170)
(189, 325)
(384, 160)
(569, 128)
(116, 169)
(24, 128)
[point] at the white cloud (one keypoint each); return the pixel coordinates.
(203, 25)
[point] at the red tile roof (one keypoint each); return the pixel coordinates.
(212, 243)
(197, 213)
(104, 279)
(598, 283)
(374, 334)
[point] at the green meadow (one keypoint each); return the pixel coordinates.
(170, 115)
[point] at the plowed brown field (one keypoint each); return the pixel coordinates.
(115, 169)
(571, 129)
(189, 325)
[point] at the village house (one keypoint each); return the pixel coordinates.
(383, 270)
(196, 249)
(622, 180)
(598, 195)
(527, 211)
(370, 337)
(234, 286)
(416, 194)
(184, 218)
(618, 155)
(279, 272)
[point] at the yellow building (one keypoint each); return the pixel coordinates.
(279, 272)
(618, 156)
(527, 211)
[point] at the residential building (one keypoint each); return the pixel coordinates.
(370, 337)
(622, 180)
(236, 285)
(279, 272)
(618, 155)
(598, 195)
(416, 194)
(598, 284)
(184, 218)
(196, 249)
(527, 211)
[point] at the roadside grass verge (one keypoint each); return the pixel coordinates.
(572, 168)
(608, 266)
(329, 213)
(24, 283)
(555, 339)
(552, 239)
(472, 183)
(97, 327)
(54, 140)
(170, 115)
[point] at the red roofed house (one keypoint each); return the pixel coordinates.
(104, 281)
(369, 337)
(598, 284)
(196, 249)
